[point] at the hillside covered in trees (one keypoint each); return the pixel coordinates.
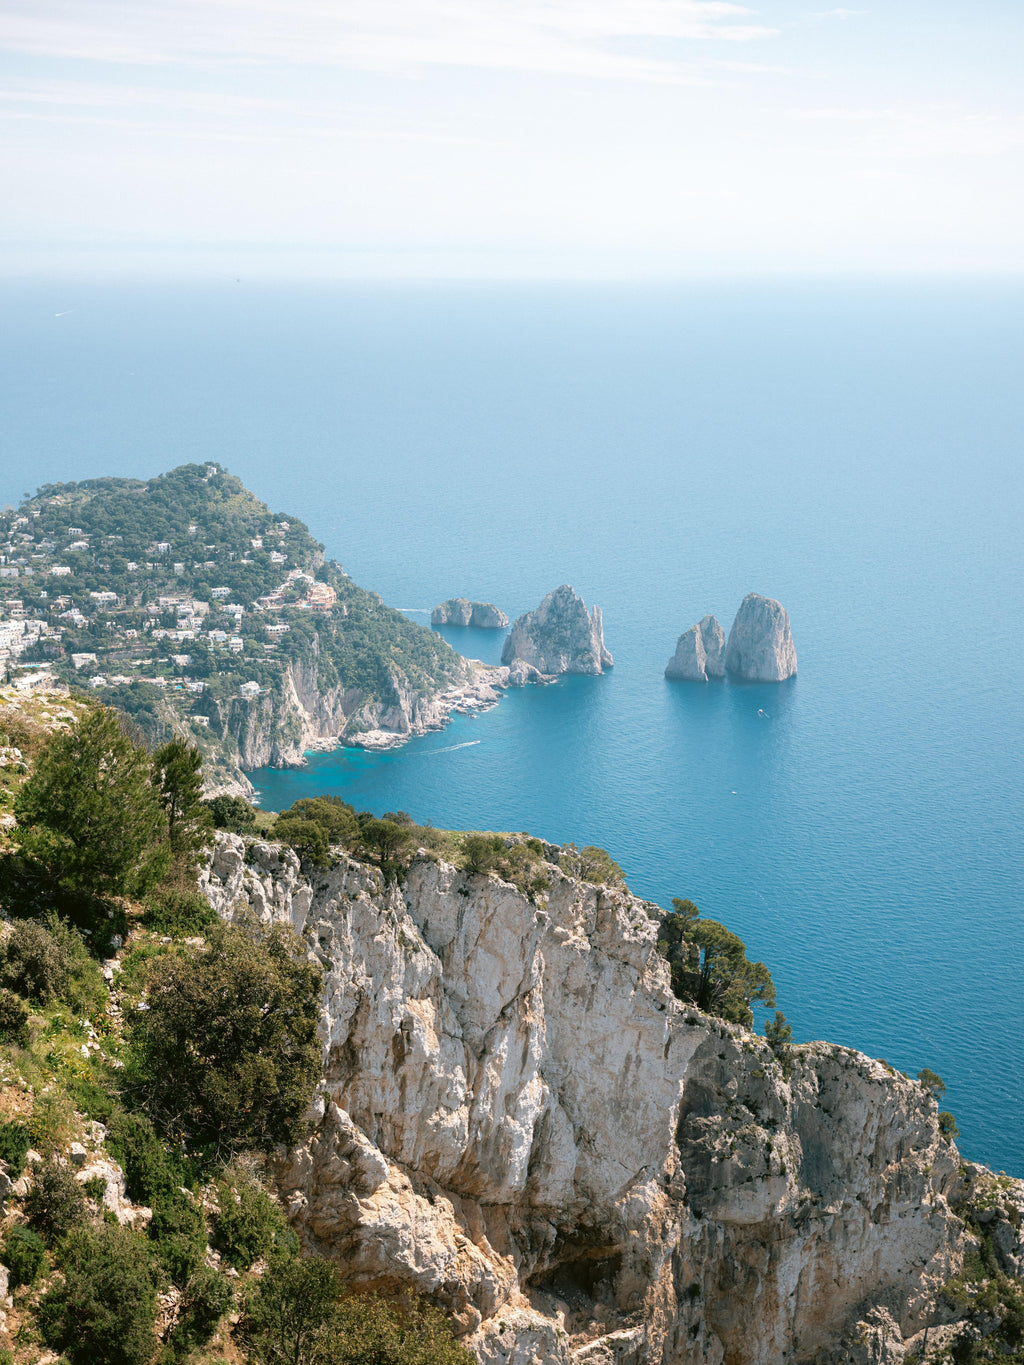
(186, 602)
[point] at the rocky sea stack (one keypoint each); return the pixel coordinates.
(760, 647)
(700, 653)
(560, 636)
(460, 611)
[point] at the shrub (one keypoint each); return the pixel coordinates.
(55, 1204)
(178, 1232)
(95, 1188)
(227, 1054)
(47, 962)
(947, 1125)
(232, 813)
(178, 912)
(52, 1125)
(367, 1329)
(297, 1315)
(289, 1312)
(105, 1311)
(13, 1019)
(591, 864)
(482, 851)
(15, 1140)
(306, 837)
(152, 1174)
(24, 1255)
(248, 1224)
(206, 1298)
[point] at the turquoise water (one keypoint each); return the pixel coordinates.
(852, 449)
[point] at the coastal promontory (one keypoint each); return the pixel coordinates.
(560, 636)
(460, 611)
(760, 647)
(699, 652)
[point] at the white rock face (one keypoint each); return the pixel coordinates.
(760, 647)
(518, 1117)
(460, 611)
(559, 636)
(700, 652)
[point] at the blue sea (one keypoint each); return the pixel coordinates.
(853, 448)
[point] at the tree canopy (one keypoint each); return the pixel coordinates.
(710, 968)
(226, 1056)
(90, 814)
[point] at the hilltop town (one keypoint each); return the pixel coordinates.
(180, 597)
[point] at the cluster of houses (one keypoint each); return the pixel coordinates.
(26, 555)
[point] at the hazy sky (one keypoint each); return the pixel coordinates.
(510, 137)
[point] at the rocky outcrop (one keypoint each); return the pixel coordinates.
(459, 611)
(559, 636)
(699, 652)
(519, 1118)
(760, 647)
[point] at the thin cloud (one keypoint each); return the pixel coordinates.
(565, 37)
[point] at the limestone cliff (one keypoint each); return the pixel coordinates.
(760, 647)
(518, 1117)
(460, 611)
(560, 636)
(699, 652)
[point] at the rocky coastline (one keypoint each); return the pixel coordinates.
(519, 1118)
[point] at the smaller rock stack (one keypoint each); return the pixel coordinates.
(460, 611)
(699, 653)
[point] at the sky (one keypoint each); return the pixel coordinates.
(365, 139)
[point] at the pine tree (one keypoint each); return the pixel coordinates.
(178, 775)
(89, 813)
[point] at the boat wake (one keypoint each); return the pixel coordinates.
(450, 748)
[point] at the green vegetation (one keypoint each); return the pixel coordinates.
(226, 1055)
(988, 1299)
(298, 1314)
(24, 1255)
(104, 1312)
(49, 961)
(14, 1017)
(210, 1054)
(55, 1204)
(15, 1140)
(178, 774)
(131, 552)
(931, 1082)
(89, 816)
(710, 968)
(248, 1224)
(232, 813)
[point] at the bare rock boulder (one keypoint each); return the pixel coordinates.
(760, 647)
(700, 653)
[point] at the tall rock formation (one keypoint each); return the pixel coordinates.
(700, 652)
(760, 647)
(460, 611)
(559, 636)
(518, 1117)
